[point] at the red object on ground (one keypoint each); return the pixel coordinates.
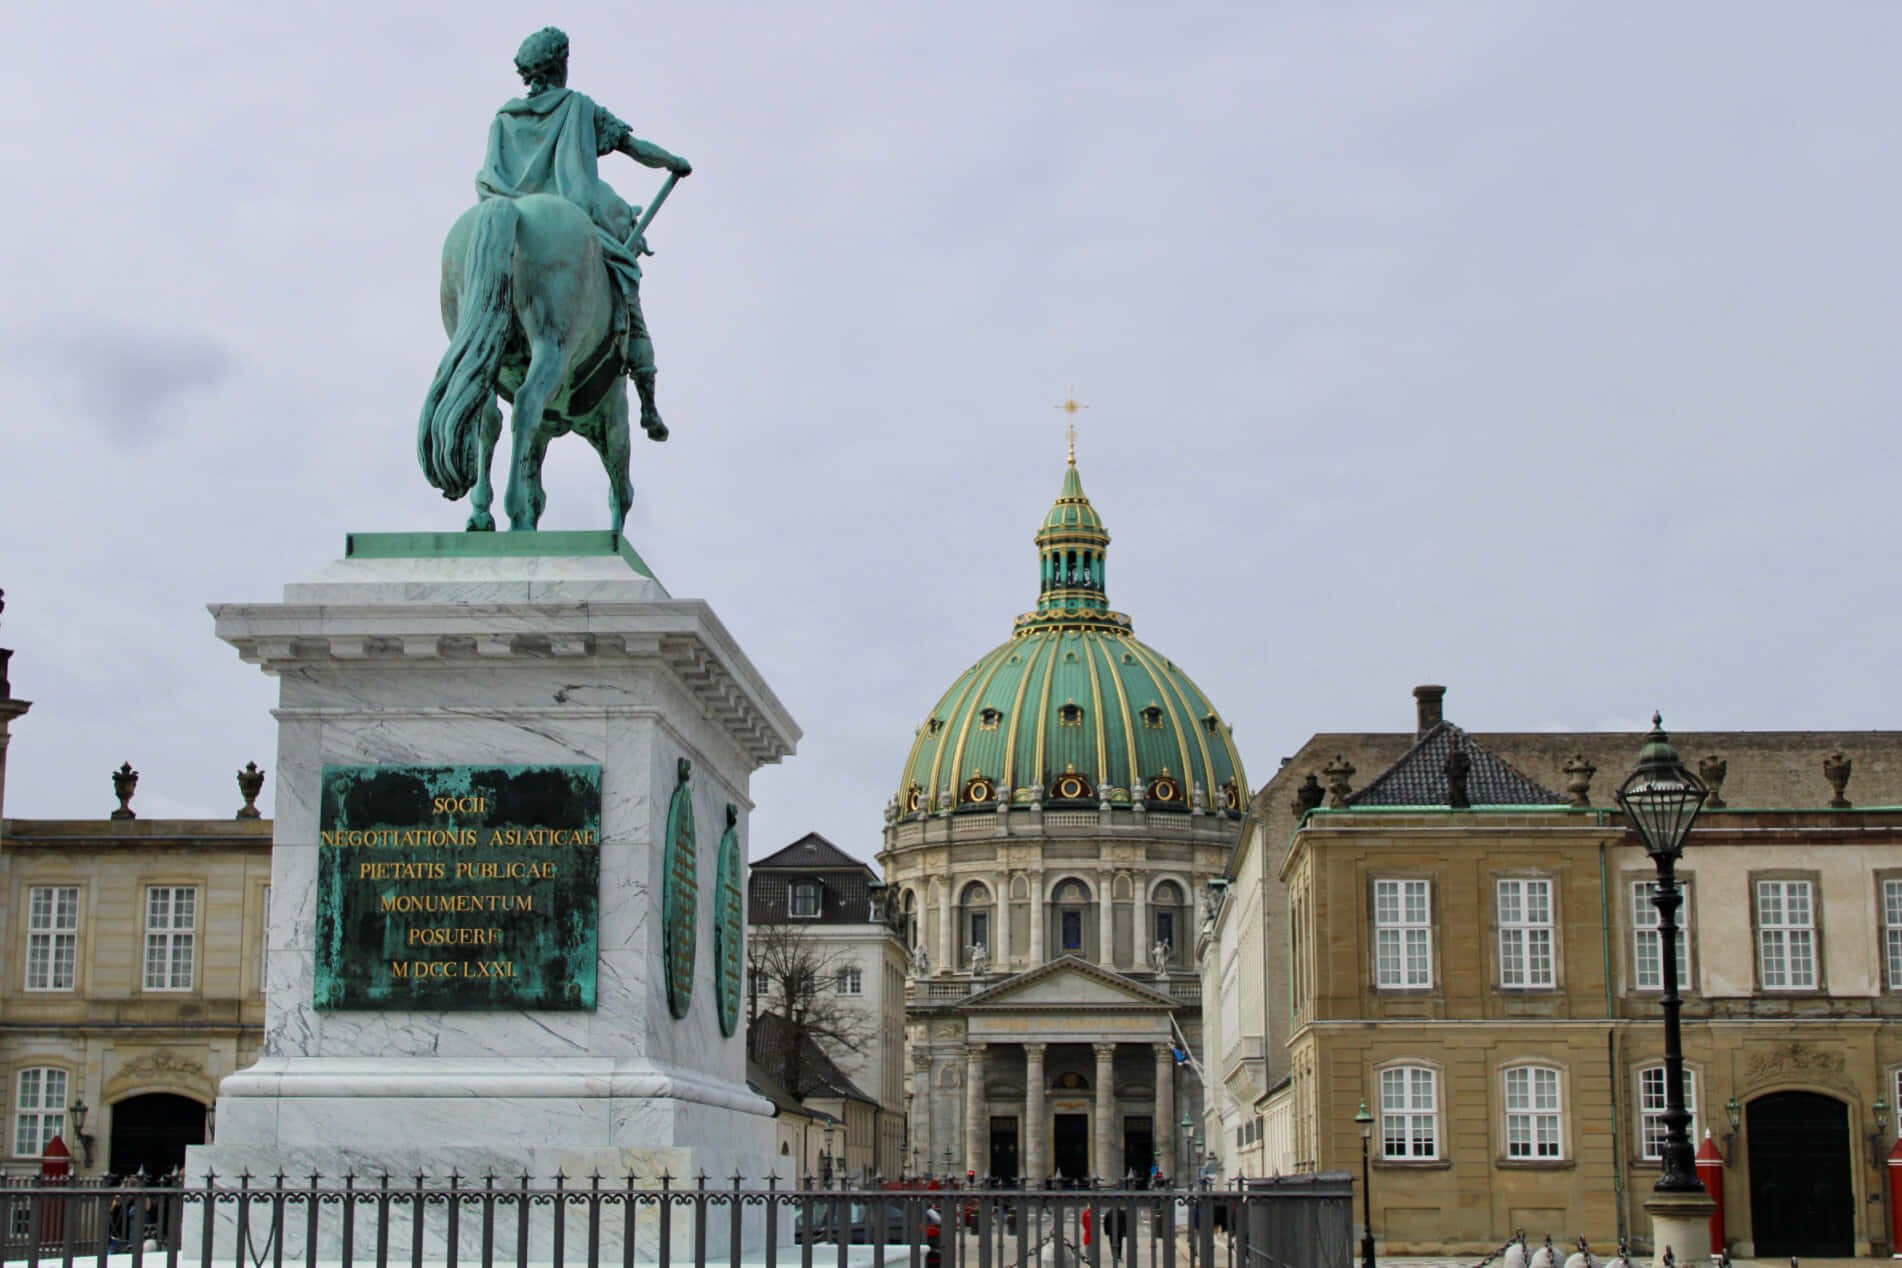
(56, 1167)
(1086, 1226)
(1895, 1196)
(1710, 1170)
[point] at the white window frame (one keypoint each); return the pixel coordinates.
(1403, 934)
(1786, 940)
(848, 981)
(52, 938)
(39, 1108)
(1647, 944)
(1650, 1098)
(1892, 930)
(1524, 909)
(1534, 1101)
(1409, 1098)
(758, 983)
(796, 894)
(171, 938)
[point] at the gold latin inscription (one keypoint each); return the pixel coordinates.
(433, 937)
(451, 968)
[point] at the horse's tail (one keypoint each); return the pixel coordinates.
(448, 436)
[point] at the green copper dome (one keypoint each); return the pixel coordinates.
(1073, 711)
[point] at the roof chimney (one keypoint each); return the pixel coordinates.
(1427, 698)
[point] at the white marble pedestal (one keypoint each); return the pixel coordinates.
(555, 648)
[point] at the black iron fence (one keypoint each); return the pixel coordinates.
(385, 1221)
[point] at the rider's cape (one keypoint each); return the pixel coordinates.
(548, 144)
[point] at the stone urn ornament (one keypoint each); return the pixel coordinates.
(1712, 770)
(125, 781)
(1339, 772)
(1578, 781)
(250, 783)
(1836, 770)
(1308, 796)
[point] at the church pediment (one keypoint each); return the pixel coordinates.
(1068, 983)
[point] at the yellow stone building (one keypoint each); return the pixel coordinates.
(133, 978)
(1486, 980)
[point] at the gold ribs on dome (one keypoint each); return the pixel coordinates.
(1073, 708)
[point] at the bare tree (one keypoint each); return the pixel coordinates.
(793, 975)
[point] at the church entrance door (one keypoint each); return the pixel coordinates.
(1070, 1146)
(1004, 1149)
(1801, 1202)
(1139, 1147)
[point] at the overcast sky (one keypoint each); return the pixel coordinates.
(1541, 350)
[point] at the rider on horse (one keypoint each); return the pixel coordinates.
(546, 142)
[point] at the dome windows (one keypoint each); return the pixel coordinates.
(914, 799)
(1211, 723)
(1070, 786)
(988, 718)
(1152, 717)
(934, 726)
(979, 791)
(1070, 714)
(1231, 796)
(1164, 788)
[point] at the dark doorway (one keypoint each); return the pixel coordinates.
(1004, 1150)
(149, 1133)
(1800, 1198)
(1070, 1146)
(1139, 1147)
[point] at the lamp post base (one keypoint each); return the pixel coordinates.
(1367, 1251)
(1680, 1222)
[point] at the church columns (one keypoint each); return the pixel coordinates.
(1038, 900)
(921, 1112)
(1140, 934)
(1001, 960)
(1036, 1119)
(947, 929)
(976, 1113)
(1165, 1108)
(1105, 921)
(1105, 1160)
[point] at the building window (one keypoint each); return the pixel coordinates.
(848, 982)
(804, 903)
(1070, 900)
(1525, 933)
(1651, 1087)
(1403, 936)
(1647, 945)
(52, 937)
(1892, 931)
(1786, 936)
(39, 1109)
(1165, 905)
(1532, 1113)
(171, 934)
(1408, 1110)
(758, 984)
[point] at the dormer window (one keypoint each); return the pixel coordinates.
(1152, 717)
(1212, 723)
(803, 901)
(934, 726)
(1070, 714)
(988, 718)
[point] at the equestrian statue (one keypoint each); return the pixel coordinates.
(541, 299)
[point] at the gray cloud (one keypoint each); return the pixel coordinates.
(117, 374)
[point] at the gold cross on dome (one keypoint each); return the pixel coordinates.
(1070, 406)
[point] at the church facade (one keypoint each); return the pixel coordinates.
(1060, 814)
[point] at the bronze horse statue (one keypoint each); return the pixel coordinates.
(529, 307)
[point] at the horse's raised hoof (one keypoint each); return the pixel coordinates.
(655, 429)
(480, 522)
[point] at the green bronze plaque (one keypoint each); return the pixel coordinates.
(680, 900)
(729, 928)
(457, 887)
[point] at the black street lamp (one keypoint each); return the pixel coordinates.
(1365, 1122)
(1661, 799)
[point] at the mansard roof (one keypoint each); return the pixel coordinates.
(810, 851)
